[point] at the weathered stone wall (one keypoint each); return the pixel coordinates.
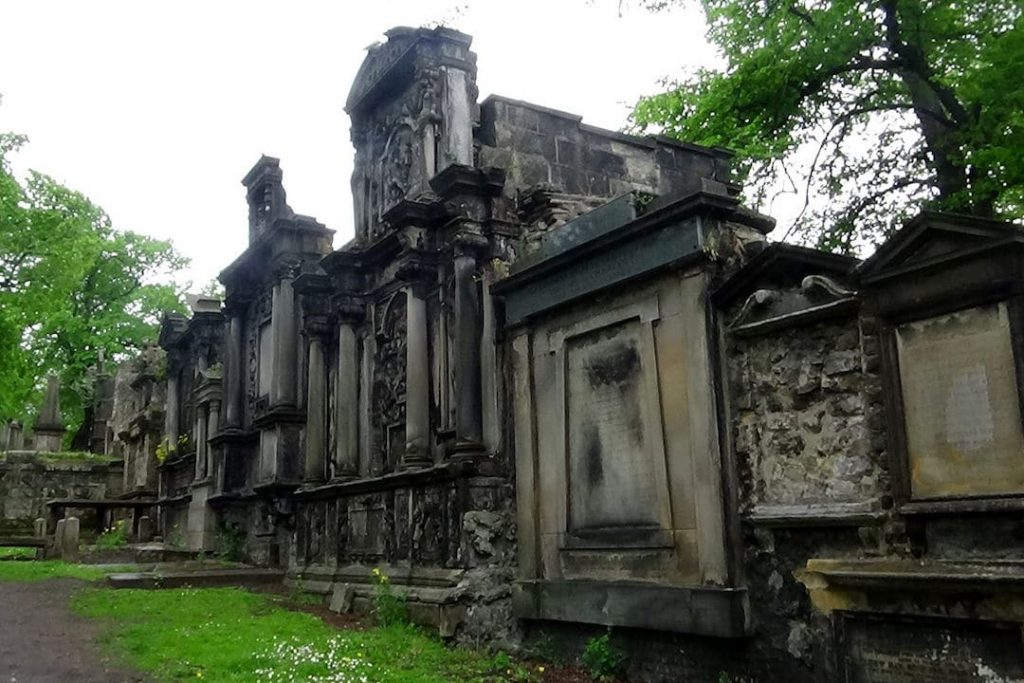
(541, 146)
(808, 418)
(28, 480)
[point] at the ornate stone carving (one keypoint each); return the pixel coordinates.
(389, 383)
(258, 312)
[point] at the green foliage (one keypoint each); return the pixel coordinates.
(389, 608)
(175, 539)
(231, 543)
(17, 553)
(114, 537)
(72, 288)
(230, 635)
(603, 660)
(868, 109)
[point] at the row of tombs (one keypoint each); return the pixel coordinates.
(560, 380)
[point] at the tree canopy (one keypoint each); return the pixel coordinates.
(72, 289)
(869, 109)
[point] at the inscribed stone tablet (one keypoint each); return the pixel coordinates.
(904, 651)
(611, 472)
(960, 400)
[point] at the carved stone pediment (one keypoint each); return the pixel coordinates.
(933, 238)
(787, 285)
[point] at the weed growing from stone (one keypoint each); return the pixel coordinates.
(389, 608)
(114, 537)
(603, 660)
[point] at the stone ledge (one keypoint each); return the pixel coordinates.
(928, 575)
(815, 516)
(698, 610)
(412, 477)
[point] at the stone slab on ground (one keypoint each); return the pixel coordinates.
(41, 641)
(196, 579)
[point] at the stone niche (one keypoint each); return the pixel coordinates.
(619, 486)
(947, 295)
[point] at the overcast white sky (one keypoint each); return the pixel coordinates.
(156, 110)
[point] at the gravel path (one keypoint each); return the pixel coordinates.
(41, 641)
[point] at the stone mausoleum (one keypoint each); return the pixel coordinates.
(561, 381)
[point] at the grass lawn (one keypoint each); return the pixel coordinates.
(40, 570)
(229, 634)
(17, 553)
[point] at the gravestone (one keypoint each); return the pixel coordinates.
(342, 598)
(16, 437)
(145, 529)
(39, 528)
(58, 537)
(963, 423)
(914, 651)
(69, 540)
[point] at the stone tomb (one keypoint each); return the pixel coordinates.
(619, 496)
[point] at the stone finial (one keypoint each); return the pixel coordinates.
(265, 195)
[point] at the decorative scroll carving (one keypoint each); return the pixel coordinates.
(396, 165)
(389, 384)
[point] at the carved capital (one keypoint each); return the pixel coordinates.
(349, 310)
(466, 243)
(287, 268)
(417, 271)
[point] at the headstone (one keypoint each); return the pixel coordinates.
(145, 529)
(58, 537)
(16, 439)
(882, 650)
(48, 430)
(39, 528)
(964, 434)
(69, 540)
(342, 598)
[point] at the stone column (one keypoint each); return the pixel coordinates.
(171, 417)
(201, 444)
(316, 406)
(417, 381)
(346, 397)
(234, 374)
(285, 341)
(468, 323)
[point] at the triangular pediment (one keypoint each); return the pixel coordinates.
(782, 266)
(932, 238)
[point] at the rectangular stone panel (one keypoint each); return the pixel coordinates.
(611, 471)
(896, 650)
(962, 413)
(265, 360)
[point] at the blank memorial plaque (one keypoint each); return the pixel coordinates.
(611, 472)
(961, 405)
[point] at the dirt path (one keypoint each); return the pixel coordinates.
(41, 641)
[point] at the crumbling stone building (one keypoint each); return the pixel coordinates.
(559, 381)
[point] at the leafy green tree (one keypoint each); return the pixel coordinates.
(72, 289)
(869, 109)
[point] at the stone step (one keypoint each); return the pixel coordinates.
(195, 579)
